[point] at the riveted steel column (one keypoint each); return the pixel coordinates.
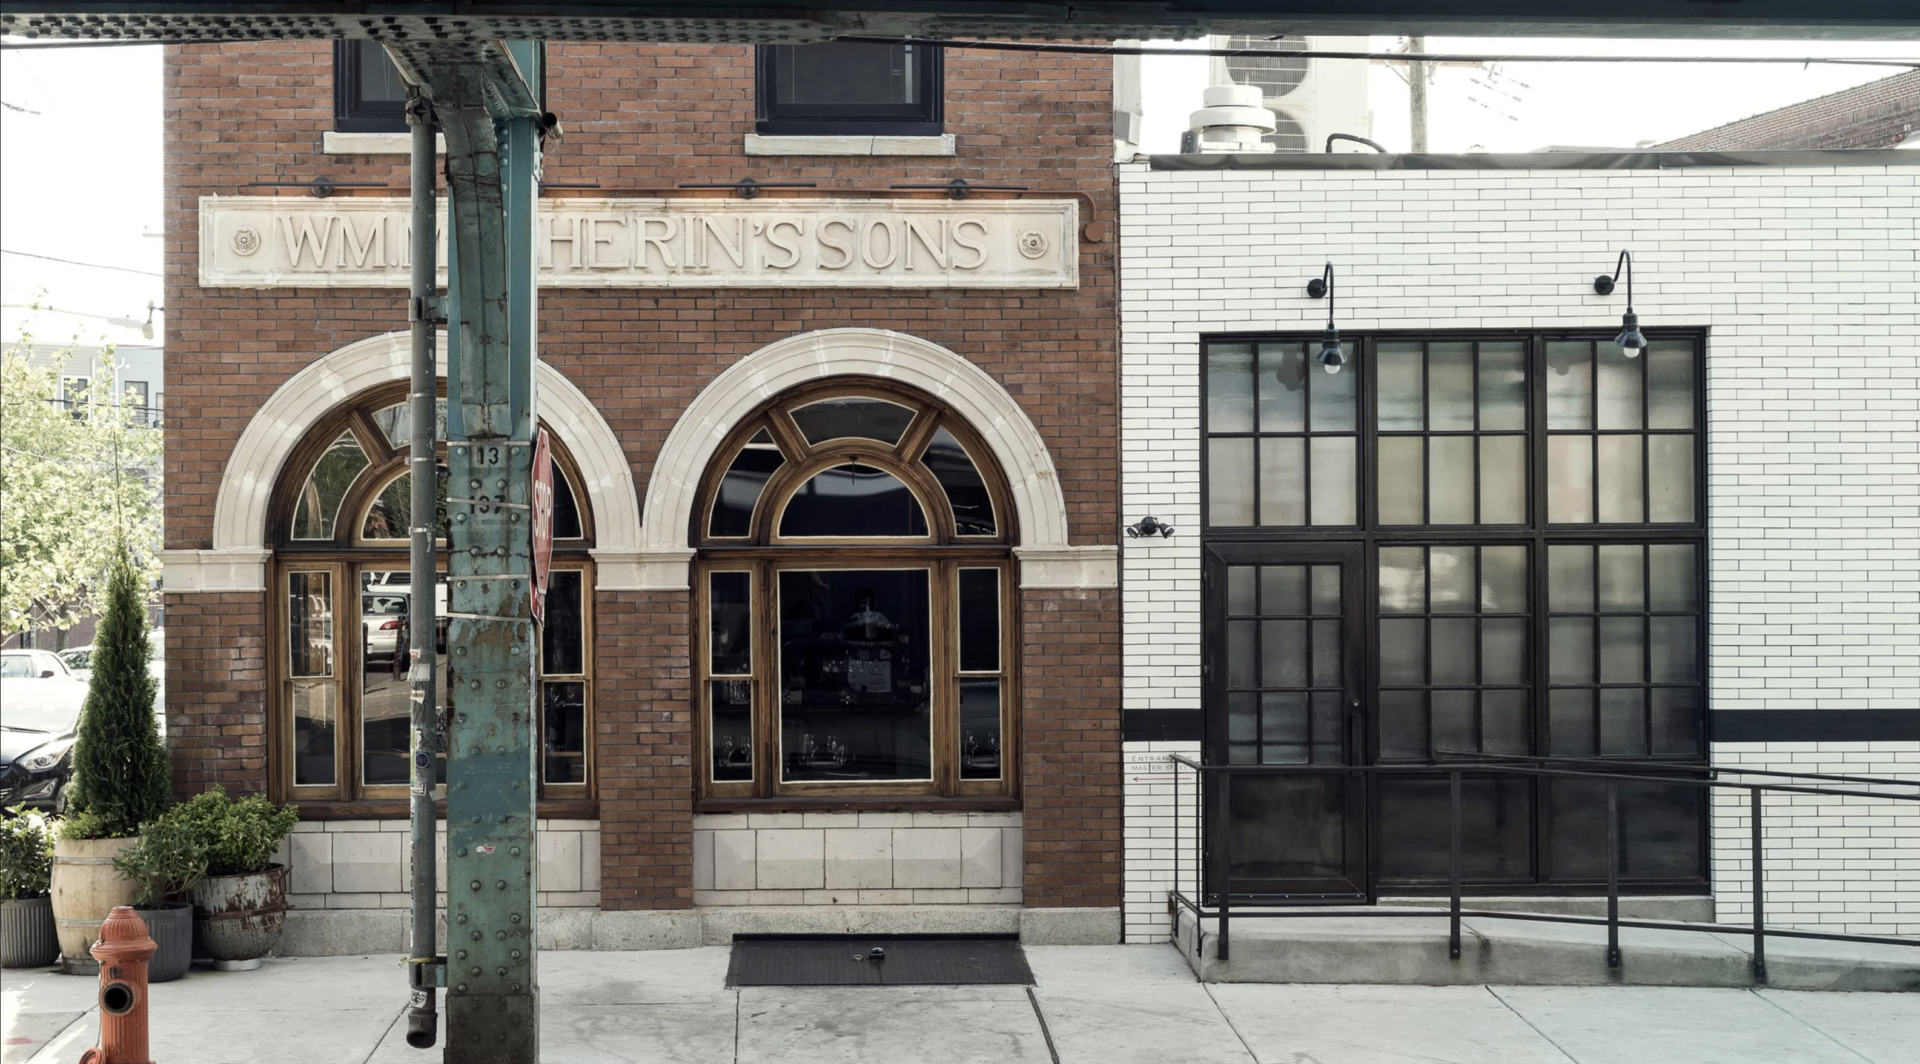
(492, 1000)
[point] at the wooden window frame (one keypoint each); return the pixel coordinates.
(345, 555)
(942, 554)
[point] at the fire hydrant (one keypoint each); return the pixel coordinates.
(123, 952)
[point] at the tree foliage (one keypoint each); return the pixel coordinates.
(120, 770)
(73, 492)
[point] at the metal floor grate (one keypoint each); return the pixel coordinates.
(904, 960)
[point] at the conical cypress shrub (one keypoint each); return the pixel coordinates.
(120, 772)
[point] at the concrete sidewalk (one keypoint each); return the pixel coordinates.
(1092, 1005)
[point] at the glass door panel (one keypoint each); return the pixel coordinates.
(1283, 689)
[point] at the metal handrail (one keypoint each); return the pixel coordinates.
(1457, 768)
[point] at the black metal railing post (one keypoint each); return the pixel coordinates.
(1759, 895)
(1225, 835)
(1453, 863)
(1199, 861)
(1613, 874)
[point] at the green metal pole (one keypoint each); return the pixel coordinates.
(492, 1000)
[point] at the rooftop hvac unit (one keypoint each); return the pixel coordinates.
(1309, 98)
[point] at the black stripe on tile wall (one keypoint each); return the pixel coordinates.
(1815, 725)
(1160, 725)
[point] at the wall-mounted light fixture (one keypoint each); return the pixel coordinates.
(1331, 358)
(1149, 526)
(1630, 340)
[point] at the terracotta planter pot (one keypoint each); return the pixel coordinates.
(171, 925)
(239, 918)
(26, 933)
(85, 890)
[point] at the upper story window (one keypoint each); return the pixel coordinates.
(368, 95)
(849, 88)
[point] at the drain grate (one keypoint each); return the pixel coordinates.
(876, 960)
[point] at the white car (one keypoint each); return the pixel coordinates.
(42, 703)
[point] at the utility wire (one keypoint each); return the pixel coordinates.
(1119, 49)
(76, 262)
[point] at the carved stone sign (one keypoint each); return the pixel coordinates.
(302, 242)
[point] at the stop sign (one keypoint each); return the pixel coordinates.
(542, 524)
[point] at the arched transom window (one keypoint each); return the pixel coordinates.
(855, 601)
(340, 700)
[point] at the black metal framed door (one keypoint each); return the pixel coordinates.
(1284, 636)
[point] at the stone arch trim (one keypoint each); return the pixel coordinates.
(237, 561)
(1047, 559)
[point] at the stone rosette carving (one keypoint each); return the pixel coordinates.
(1032, 243)
(246, 240)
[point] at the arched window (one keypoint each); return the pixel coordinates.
(340, 704)
(855, 597)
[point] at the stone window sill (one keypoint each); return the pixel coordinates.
(850, 145)
(334, 143)
(904, 804)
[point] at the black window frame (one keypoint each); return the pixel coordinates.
(1537, 533)
(774, 118)
(352, 116)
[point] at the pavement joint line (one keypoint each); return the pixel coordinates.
(382, 1040)
(1231, 1026)
(1034, 1000)
(1756, 992)
(736, 1026)
(62, 1033)
(1557, 1047)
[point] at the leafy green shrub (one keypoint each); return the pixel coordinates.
(120, 771)
(170, 857)
(26, 854)
(241, 836)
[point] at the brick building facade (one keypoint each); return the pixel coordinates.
(277, 383)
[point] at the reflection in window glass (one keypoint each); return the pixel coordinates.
(333, 474)
(741, 486)
(310, 623)
(730, 632)
(396, 423)
(1279, 452)
(979, 620)
(316, 720)
(386, 696)
(958, 477)
(390, 515)
(852, 417)
(849, 73)
(980, 729)
(1453, 651)
(563, 635)
(1623, 649)
(732, 728)
(854, 701)
(853, 501)
(566, 508)
(564, 733)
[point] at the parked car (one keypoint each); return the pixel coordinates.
(79, 662)
(41, 701)
(383, 624)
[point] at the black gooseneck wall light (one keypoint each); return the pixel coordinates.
(1631, 340)
(1331, 358)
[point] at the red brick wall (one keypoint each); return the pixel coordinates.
(634, 117)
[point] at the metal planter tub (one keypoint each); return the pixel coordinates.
(27, 938)
(238, 919)
(171, 926)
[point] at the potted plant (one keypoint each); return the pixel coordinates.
(169, 858)
(120, 775)
(26, 866)
(240, 907)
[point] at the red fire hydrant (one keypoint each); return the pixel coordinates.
(123, 952)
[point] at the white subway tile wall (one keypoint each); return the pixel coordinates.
(1808, 282)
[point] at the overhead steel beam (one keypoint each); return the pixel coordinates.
(769, 21)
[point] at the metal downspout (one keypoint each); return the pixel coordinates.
(423, 315)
